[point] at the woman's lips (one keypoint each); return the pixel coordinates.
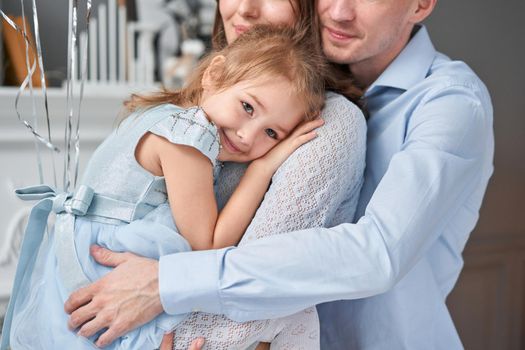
(240, 29)
(228, 143)
(338, 35)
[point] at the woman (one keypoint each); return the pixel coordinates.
(319, 184)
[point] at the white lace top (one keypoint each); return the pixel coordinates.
(318, 185)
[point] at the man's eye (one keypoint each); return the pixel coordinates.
(247, 107)
(271, 133)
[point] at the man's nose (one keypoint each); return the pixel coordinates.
(248, 9)
(342, 10)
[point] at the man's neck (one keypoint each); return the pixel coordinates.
(367, 71)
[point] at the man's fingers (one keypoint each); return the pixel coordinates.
(92, 327)
(107, 257)
(80, 297)
(81, 316)
(113, 332)
(119, 302)
(197, 344)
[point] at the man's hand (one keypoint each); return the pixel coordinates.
(121, 301)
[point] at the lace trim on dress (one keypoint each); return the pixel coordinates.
(194, 116)
(190, 127)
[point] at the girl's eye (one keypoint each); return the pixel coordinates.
(247, 107)
(271, 133)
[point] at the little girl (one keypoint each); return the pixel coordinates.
(256, 100)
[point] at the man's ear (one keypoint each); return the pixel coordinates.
(422, 10)
(213, 72)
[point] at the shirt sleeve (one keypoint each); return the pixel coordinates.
(432, 175)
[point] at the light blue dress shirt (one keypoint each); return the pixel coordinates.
(429, 158)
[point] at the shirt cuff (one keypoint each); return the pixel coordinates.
(188, 282)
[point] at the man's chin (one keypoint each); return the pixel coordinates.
(337, 55)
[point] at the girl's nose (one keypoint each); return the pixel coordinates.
(246, 134)
(249, 9)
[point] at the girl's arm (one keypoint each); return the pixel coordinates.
(189, 182)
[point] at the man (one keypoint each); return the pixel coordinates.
(429, 159)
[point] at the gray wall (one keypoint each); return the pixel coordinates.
(489, 36)
(488, 302)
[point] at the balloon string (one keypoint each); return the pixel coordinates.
(33, 102)
(43, 83)
(73, 118)
(83, 80)
(22, 87)
(72, 46)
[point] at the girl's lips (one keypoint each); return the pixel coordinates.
(228, 144)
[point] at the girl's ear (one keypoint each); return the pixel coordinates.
(213, 72)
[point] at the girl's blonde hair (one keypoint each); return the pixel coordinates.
(263, 52)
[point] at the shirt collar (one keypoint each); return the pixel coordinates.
(410, 66)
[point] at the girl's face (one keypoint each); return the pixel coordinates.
(252, 116)
(240, 15)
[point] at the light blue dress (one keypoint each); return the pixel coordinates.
(116, 201)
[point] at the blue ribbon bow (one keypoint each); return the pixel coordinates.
(76, 203)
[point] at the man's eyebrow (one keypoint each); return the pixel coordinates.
(257, 101)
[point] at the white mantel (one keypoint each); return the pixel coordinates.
(18, 163)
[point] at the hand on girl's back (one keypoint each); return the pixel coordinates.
(302, 134)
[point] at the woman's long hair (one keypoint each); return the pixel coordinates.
(338, 78)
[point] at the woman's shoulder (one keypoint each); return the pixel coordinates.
(343, 113)
(337, 104)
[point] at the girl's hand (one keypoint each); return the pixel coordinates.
(303, 133)
(167, 342)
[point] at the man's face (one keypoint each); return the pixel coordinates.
(365, 32)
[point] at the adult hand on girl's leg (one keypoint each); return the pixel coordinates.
(121, 301)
